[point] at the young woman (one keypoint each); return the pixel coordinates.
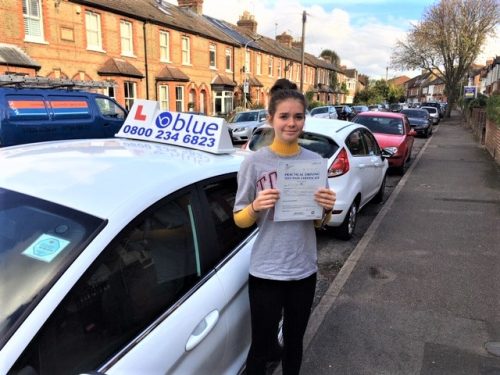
(283, 263)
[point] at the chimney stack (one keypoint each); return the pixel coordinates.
(195, 5)
(285, 39)
(247, 21)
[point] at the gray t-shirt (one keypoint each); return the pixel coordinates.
(283, 250)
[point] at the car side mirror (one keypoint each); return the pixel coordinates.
(388, 152)
(412, 133)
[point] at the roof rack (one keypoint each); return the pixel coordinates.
(51, 83)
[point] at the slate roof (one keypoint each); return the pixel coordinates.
(14, 56)
(221, 79)
(163, 13)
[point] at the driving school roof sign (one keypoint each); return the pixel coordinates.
(148, 122)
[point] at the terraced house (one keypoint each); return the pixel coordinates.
(155, 50)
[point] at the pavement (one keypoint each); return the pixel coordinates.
(420, 293)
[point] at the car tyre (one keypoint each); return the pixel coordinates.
(346, 229)
(379, 197)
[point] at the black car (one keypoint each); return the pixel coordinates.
(420, 120)
(345, 112)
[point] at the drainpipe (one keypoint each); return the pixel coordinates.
(145, 57)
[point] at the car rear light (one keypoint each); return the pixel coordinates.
(340, 165)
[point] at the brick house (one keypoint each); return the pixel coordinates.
(151, 49)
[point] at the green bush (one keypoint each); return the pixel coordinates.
(493, 108)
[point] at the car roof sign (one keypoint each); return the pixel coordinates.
(146, 121)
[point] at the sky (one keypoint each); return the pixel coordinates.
(362, 32)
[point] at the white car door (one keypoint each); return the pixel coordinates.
(362, 164)
(377, 165)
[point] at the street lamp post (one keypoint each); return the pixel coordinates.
(246, 85)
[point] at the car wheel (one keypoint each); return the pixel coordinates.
(379, 197)
(346, 229)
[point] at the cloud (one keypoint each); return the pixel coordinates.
(362, 40)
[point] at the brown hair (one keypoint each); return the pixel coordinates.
(284, 89)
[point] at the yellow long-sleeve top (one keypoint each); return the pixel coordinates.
(247, 216)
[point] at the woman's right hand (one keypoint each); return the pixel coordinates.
(265, 199)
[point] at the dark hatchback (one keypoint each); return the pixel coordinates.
(420, 120)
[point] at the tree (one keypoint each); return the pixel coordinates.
(334, 59)
(448, 40)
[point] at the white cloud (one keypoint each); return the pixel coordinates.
(367, 47)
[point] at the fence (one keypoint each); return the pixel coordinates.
(485, 131)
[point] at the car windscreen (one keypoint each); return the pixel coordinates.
(38, 241)
(318, 110)
(384, 125)
(245, 116)
(321, 144)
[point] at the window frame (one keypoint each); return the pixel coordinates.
(229, 60)
(212, 56)
(164, 96)
(186, 50)
(98, 32)
(129, 99)
(30, 19)
(126, 41)
(164, 46)
(179, 99)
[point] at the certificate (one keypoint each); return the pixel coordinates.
(297, 181)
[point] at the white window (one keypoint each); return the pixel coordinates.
(33, 25)
(126, 38)
(179, 98)
(164, 46)
(163, 95)
(212, 55)
(247, 61)
(229, 59)
(259, 64)
(186, 51)
(93, 26)
(130, 94)
(110, 91)
(223, 102)
(270, 66)
(279, 69)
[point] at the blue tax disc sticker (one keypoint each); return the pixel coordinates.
(46, 248)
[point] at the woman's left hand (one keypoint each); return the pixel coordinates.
(326, 198)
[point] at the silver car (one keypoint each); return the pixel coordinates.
(242, 124)
(327, 111)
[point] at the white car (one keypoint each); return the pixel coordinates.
(327, 111)
(357, 166)
(433, 113)
(121, 256)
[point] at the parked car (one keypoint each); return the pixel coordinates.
(121, 256)
(392, 130)
(433, 113)
(395, 107)
(242, 124)
(357, 166)
(377, 108)
(360, 108)
(30, 115)
(435, 105)
(327, 111)
(420, 120)
(345, 112)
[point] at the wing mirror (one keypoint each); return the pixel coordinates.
(412, 133)
(388, 152)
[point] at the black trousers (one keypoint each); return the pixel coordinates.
(269, 301)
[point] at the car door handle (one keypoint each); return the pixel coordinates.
(362, 166)
(202, 330)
